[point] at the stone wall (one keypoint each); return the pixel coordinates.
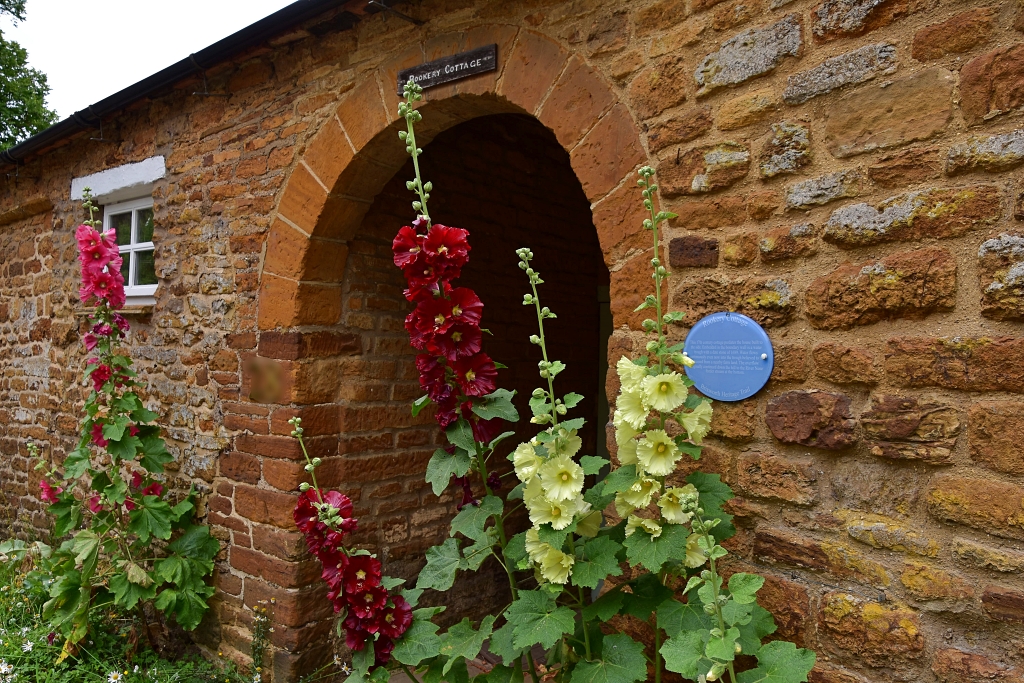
(847, 172)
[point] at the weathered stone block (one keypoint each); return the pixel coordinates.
(1000, 274)
(972, 363)
(875, 633)
(734, 421)
(693, 252)
(936, 213)
(659, 87)
(709, 213)
(704, 169)
(845, 364)
(740, 249)
(991, 83)
(956, 666)
(822, 190)
(768, 301)
(907, 166)
(913, 108)
(1003, 604)
(777, 546)
(834, 19)
(761, 205)
(812, 418)
(788, 149)
(879, 531)
(995, 430)
(984, 557)
(683, 127)
(953, 36)
(751, 53)
(790, 363)
(834, 73)
(768, 476)
(747, 109)
(929, 583)
(783, 243)
(987, 153)
(906, 285)
(992, 506)
(902, 428)
(871, 487)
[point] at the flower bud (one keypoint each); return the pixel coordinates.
(538, 393)
(304, 486)
(709, 609)
(316, 462)
(534, 339)
(737, 648)
(309, 468)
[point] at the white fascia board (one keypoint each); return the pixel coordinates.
(121, 182)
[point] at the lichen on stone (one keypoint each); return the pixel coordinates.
(987, 153)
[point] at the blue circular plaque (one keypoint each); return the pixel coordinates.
(733, 357)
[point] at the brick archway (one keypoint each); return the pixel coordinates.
(357, 151)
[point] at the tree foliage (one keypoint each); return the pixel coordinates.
(23, 90)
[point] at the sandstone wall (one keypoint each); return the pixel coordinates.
(847, 172)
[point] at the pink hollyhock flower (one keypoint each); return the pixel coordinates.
(121, 323)
(90, 341)
(133, 430)
(48, 494)
(129, 504)
(154, 489)
(476, 375)
(97, 435)
(100, 375)
(102, 329)
(94, 504)
(136, 480)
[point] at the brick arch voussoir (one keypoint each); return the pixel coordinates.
(356, 152)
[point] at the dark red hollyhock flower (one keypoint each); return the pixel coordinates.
(407, 247)
(476, 375)
(420, 324)
(447, 249)
(467, 492)
(305, 514)
(340, 502)
(420, 224)
(427, 290)
(97, 435)
(382, 648)
(363, 572)
(447, 411)
(459, 341)
(432, 378)
(334, 562)
(356, 634)
(366, 603)
(466, 307)
(396, 618)
(100, 375)
(484, 431)
(154, 489)
(494, 481)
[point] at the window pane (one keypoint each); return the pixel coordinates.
(145, 223)
(145, 270)
(126, 267)
(122, 225)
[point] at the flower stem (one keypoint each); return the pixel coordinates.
(405, 109)
(409, 673)
(710, 542)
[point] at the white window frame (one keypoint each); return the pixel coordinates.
(136, 295)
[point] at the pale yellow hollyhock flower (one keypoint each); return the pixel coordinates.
(697, 422)
(565, 443)
(671, 506)
(590, 525)
(533, 494)
(694, 555)
(561, 478)
(634, 411)
(658, 453)
(627, 453)
(555, 566)
(664, 392)
(687, 361)
(559, 515)
(649, 525)
(536, 548)
(526, 462)
(623, 431)
(640, 493)
(622, 508)
(630, 374)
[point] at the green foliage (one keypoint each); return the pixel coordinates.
(536, 619)
(442, 563)
(23, 90)
(599, 560)
(443, 466)
(652, 553)
(622, 661)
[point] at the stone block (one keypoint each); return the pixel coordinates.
(823, 189)
(776, 546)
(935, 213)
(906, 167)
(787, 151)
(991, 153)
(913, 108)
(991, 506)
(854, 67)
(990, 84)
(812, 418)
(877, 634)
(929, 583)
(734, 421)
(1003, 604)
(967, 363)
(983, 557)
(709, 213)
(768, 301)
(845, 364)
(747, 109)
(693, 252)
(761, 205)
(789, 242)
(905, 285)
(579, 98)
(956, 35)
(790, 363)
(752, 53)
(682, 127)
(879, 531)
(834, 19)
(995, 427)
(869, 485)
(609, 152)
(768, 476)
(658, 87)
(704, 169)
(902, 428)
(955, 666)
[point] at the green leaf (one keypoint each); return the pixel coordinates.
(620, 479)
(605, 607)
(598, 563)
(723, 648)
(648, 593)
(418, 643)
(556, 367)
(76, 464)
(575, 423)
(362, 660)
(652, 553)
(442, 563)
(571, 400)
(505, 674)
(761, 624)
(683, 652)
(780, 662)
(462, 640)
(141, 415)
(443, 465)
(537, 620)
(154, 453)
(539, 405)
(391, 582)
(68, 515)
(125, 448)
(622, 661)
(515, 551)
(128, 593)
(419, 404)
(736, 613)
(460, 433)
(474, 555)
(497, 404)
(150, 518)
(196, 543)
(412, 595)
(592, 464)
(498, 439)
(744, 587)
(471, 520)
(713, 494)
(86, 547)
(188, 604)
(670, 616)
(501, 645)
(554, 537)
